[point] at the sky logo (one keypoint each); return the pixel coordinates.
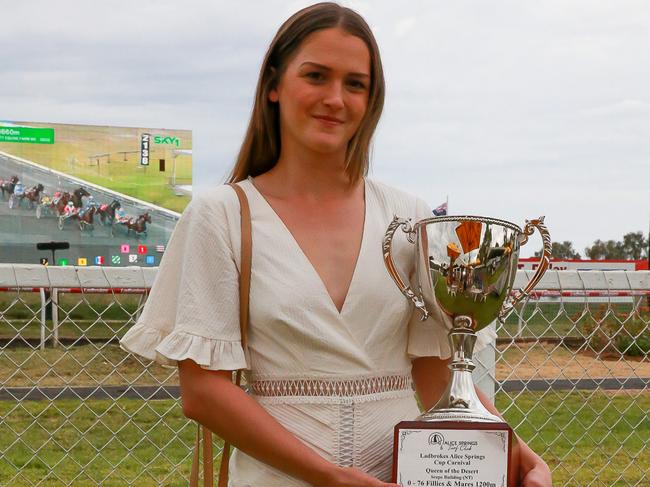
(133, 258)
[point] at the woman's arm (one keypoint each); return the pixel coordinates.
(431, 375)
(210, 398)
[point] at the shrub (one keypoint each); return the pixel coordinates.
(634, 339)
(617, 333)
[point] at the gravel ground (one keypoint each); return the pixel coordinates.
(544, 361)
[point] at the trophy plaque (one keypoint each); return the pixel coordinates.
(465, 266)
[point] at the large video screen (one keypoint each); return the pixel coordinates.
(113, 194)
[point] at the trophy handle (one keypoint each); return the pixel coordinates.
(405, 223)
(543, 265)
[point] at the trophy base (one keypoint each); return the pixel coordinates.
(455, 453)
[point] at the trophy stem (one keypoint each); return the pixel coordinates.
(460, 402)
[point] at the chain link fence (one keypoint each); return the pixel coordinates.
(570, 371)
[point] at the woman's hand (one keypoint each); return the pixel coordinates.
(538, 476)
(351, 477)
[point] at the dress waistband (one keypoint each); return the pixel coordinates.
(330, 387)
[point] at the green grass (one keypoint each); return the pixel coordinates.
(79, 365)
(126, 442)
(107, 443)
(541, 321)
(585, 436)
(568, 319)
(80, 328)
(95, 316)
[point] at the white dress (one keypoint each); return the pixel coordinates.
(339, 381)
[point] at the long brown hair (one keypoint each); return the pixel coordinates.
(261, 147)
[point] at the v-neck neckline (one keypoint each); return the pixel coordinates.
(308, 262)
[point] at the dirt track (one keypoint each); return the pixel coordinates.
(546, 361)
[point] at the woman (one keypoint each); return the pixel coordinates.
(331, 339)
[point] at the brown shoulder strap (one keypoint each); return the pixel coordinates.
(194, 473)
(244, 292)
(246, 260)
(208, 469)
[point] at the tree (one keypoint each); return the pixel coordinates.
(561, 250)
(605, 250)
(633, 247)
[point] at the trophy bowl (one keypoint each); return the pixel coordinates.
(471, 264)
(466, 266)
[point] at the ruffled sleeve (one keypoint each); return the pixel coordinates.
(192, 311)
(429, 338)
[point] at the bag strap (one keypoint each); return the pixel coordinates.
(244, 293)
(194, 473)
(246, 262)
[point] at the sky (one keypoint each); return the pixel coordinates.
(510, 108)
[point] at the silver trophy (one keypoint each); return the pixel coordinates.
(466, 266)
